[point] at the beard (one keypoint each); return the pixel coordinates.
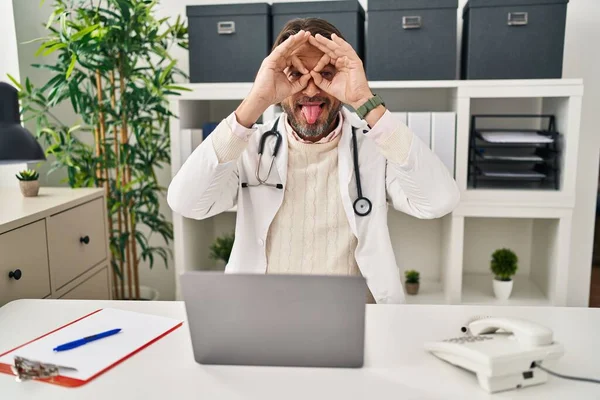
(324, 123)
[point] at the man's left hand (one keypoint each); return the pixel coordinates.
(349, 85)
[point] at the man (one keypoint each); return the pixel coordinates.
(307, 220)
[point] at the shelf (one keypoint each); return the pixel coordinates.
(495, 88)
(452, 253)
(478, 289)
(430, 292)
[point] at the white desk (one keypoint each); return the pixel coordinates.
(396, 366)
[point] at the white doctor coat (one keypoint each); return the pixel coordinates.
(422, 187)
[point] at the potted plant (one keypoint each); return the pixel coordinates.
(111, 64)
(220, 250)
(412, 281)
(28, 182)
(503, 266)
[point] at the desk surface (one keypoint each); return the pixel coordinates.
(396, 366)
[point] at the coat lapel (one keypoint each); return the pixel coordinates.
(282, 155)
(346, 169)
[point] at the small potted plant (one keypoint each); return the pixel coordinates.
(220, 250)
(503, 266)
(412, 281)
(28, 182)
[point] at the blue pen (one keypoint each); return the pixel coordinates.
(81, 342)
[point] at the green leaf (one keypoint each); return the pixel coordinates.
(14, 81)
(71, 65)
(36, 40)
(53, 16)
(74, 128)
(53, 48)
(84, 32)
(174, 87)
(166, 71)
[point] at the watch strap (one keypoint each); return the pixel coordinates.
(369, 105)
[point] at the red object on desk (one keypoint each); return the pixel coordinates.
(73, 382)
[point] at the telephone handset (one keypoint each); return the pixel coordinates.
(527, 333)
(502, 352)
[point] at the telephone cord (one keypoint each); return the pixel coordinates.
(575, 378)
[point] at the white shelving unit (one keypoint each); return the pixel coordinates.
(452, 253)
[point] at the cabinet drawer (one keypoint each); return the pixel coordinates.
(76, 241)
(95, 287)
(24, 252)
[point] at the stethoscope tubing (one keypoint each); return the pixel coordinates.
(362, 205)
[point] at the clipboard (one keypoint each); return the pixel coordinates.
(95, 358)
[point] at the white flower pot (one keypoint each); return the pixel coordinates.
(146, 293)
(149, 293)
(502, 289)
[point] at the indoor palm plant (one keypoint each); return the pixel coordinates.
(114, 69)
(503, 266)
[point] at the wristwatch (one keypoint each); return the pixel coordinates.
(369, 105)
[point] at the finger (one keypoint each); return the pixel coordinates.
(331, 45)
(325, 59)
(342, 63)
(320, 81)
(341, 42)
(322, 47)
(300, 83)
(291, 43)
(298, 64)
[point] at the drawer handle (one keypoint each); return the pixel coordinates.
(85, 239)
(16, 275)
(411, 22)
(226, 27)
(517, 18)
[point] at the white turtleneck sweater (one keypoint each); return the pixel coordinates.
(310, 233)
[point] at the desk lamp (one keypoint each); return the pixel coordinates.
(17, 144)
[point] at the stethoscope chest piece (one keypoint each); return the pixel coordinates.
(362, 206)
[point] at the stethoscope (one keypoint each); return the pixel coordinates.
(362, 205)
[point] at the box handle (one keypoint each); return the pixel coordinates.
(517, 18)
(411, 22)
(226, 27)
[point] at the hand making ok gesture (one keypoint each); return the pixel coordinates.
(272, 85)
(349, 84)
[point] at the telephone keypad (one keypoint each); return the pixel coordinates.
(468, 339)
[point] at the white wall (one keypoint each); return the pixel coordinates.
(8, 65)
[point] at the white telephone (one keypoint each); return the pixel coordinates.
(501, 351)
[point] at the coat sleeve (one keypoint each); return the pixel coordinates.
(208, 181)
(417, 181)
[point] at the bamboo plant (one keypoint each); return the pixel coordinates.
(113, 67)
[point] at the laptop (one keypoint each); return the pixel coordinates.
(275, 320)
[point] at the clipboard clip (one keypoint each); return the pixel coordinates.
(26, 369)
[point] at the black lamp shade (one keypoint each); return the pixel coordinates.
(17, 144)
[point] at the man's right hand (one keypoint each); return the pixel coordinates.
(272, 84)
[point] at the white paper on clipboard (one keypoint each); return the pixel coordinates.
(137, 331)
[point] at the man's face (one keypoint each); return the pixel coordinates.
(311, 112)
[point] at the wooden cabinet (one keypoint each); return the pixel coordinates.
(76, 241)
(54, 245)
(94, 288)
(24, 271)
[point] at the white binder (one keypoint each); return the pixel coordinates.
(443, 137)
(420, 124)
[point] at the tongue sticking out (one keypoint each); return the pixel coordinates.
(311, 113)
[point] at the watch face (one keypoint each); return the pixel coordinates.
(362, 206)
